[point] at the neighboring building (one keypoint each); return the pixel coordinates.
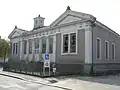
(76, 43)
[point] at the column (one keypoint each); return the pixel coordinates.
(21, 49)
(88, 45)
(33, 50)
(54, 48)
(88, 50)
(47, 44)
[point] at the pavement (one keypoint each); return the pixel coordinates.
(46, 82)
(15, 81)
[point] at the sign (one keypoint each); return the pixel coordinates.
(46, 63)
(46, 56)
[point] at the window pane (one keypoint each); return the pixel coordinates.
(106, 50)
(51, 44)
(98, 48)
(13, 48)
(113, 51)
(16, 48)
(43, 45)
(30, 46)
(36, 43)
(65, 43)
(25, 46)
(73, 42)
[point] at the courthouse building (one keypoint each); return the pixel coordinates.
(76, 43)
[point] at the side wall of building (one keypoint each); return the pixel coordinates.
(102, 64)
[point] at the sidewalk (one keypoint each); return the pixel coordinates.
(27, 77)
(38, 80)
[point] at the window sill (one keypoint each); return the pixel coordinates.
(68, 53)
(98, 58)
(106, 59)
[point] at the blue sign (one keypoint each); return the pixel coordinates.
(46, 56)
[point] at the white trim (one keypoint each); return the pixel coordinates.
(107, 49)
(96, 49)
(76, 32)
(114, 50)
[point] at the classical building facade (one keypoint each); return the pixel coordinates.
(76, 43)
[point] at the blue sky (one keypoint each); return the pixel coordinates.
(22, 12)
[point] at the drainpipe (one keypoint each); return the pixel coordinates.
(92, 25)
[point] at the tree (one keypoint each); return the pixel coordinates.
(4, 49)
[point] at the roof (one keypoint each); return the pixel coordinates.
(68, 12)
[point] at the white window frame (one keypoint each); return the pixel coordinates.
(69, 43)
(96, 49)
(114, 50)
(107, 49)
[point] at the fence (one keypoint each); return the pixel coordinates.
(33, 68)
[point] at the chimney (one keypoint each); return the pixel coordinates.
(68, 8)
(38, 22)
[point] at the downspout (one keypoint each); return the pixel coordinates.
(92, 66)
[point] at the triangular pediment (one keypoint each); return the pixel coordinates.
(68, 19)
(15, 33)
(71, 16)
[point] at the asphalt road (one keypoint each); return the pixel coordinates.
(8, 83)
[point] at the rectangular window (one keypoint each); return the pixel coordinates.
(65, 43)
(36, 45)
(30, 46)
(113, 51)
(16, 50)
(44, 45)
(106, 50)
(51, 44)
(98, 47)
(13, 48)
(25, 46)
(73, 42)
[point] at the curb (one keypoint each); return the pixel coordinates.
(12, 76)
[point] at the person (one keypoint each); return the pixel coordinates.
(54, 69)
